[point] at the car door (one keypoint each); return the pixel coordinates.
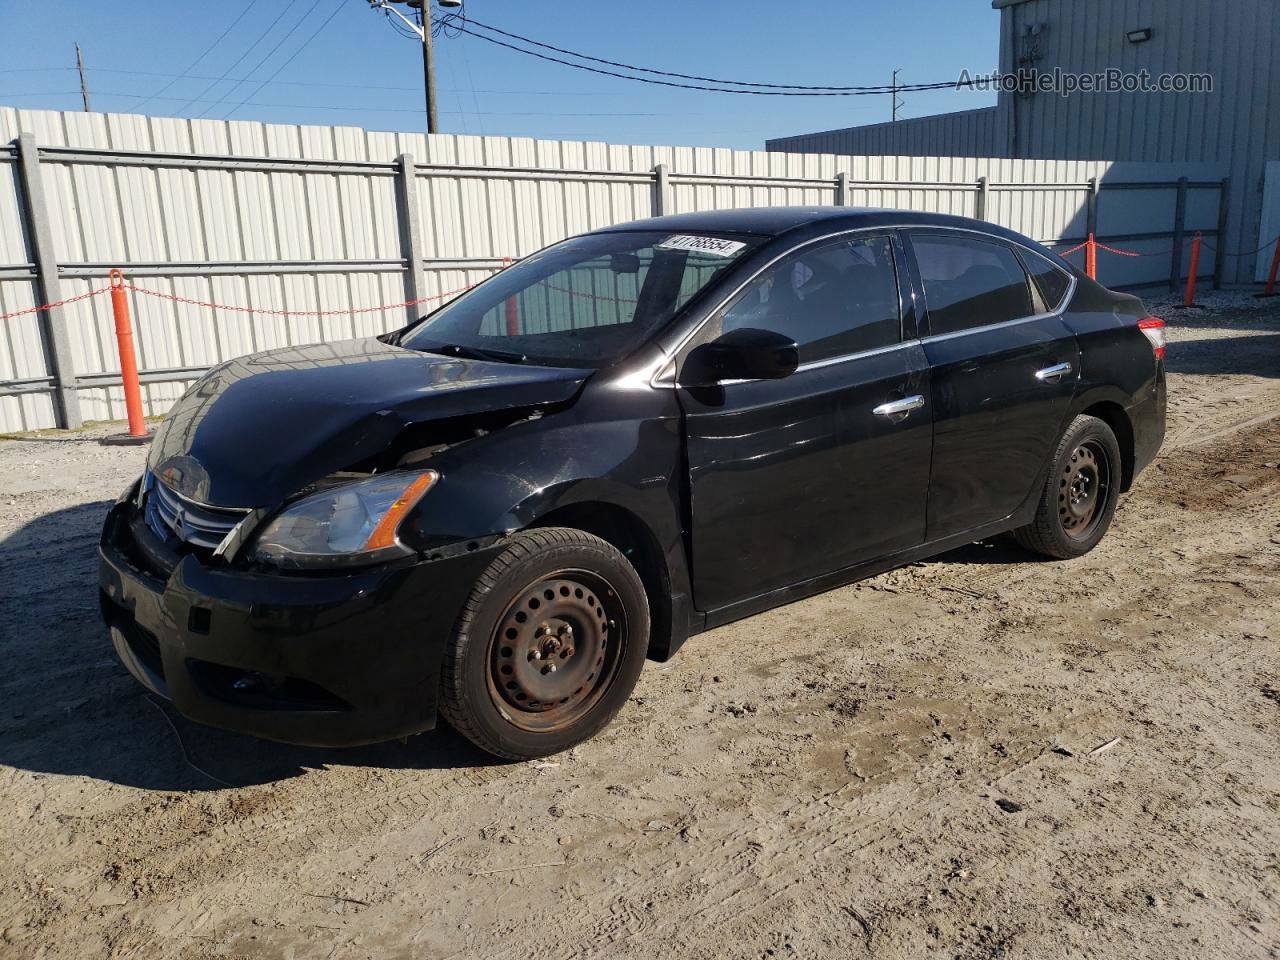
(796, 477)
(1003, 369)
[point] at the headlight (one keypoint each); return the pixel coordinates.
(356, 523)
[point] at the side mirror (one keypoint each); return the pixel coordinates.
(745, 354)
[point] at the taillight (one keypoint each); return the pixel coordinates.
(1153, 328)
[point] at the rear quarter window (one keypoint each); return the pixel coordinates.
(970, 283)
(1051, 280)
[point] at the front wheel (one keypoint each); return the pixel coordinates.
(1079, 497)
(549, 645)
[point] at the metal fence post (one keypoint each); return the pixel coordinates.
(842, 189)
(1179, 225)
(1220, 238)
(984, 194)
(662, 203)
(1091, 209)
(53, 331)
(410, 232)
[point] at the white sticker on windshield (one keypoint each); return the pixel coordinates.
(712, 245)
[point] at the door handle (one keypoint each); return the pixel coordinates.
(1053, 374)
(899, 408)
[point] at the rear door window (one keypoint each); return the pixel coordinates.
(832, 299)
(970, 283)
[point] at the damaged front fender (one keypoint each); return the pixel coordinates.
(511, 478)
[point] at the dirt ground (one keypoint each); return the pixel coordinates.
(984, 756)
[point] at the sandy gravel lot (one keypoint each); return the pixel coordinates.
(983, 756)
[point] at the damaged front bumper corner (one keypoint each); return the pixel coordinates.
(332, 659)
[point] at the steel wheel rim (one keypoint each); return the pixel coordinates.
(556, 650)
(1084, 490)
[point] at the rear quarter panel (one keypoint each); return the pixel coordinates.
(1117, 364)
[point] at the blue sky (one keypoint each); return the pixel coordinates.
(358, 71)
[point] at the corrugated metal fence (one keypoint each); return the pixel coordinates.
(280, 219)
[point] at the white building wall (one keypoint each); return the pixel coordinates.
(1237, 41)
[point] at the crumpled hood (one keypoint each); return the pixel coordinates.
(257, 429)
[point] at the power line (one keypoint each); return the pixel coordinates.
(246, 79)
(401, 29)
(306, 83)
(55, 93)
(460, 23)
(783, 90)
(475, 100)
(863, 92)
(207, 50)
(239, 60)
(325, 106)
(305, 43)
(226, 98)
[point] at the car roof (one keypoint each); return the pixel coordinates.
(776, 221)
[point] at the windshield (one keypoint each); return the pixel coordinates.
(586, 302)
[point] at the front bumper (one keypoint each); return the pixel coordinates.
(323, 660)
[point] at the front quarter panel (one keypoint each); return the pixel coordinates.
(620, 444)
(506, 481)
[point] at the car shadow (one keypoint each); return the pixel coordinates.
(1238, 309)
(1254, 355)
(68, 707)
(1000, 549)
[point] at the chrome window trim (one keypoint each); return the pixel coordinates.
(664, 377)
(954, 334)
(857, 355)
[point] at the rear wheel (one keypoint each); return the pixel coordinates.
(1079, 497)
(549, 645)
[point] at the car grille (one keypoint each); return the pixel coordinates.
(170, 515)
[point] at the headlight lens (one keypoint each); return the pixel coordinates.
(353, 524)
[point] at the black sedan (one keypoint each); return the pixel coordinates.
(640, 433)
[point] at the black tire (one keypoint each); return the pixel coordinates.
(555, 601)
(1079, 496)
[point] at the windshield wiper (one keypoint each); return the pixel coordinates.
(477, 353)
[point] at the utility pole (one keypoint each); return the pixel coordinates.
(895, 101)
(422, 27)
(428, 64)
(84, 84)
